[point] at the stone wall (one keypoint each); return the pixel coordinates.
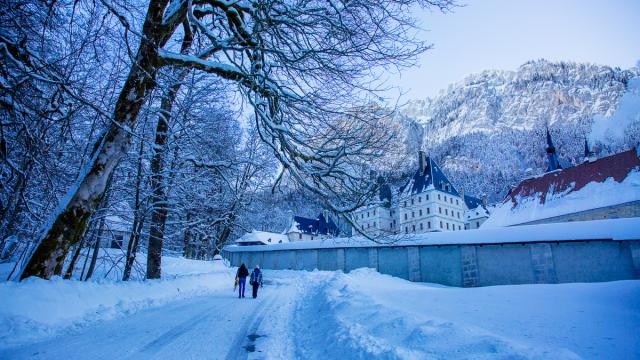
(467, 265)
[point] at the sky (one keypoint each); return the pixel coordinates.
(504, 34)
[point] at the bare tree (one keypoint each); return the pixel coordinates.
(299, 64)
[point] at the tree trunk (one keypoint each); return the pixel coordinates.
(132, 247)
(94, 257)
(187, 236)
(74, 260)
(68, 226)
(158, 179)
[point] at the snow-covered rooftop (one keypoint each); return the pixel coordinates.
(593, 195)
(611, 229)
(264, 237)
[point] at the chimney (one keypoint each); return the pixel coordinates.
(485, 200)
(421, 163)
(462, 192)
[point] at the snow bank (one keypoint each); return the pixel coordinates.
(615, 229)
(368, 315)
(592, 196)
(38, 308)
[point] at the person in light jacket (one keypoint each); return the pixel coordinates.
(241, 276)
(256, 280)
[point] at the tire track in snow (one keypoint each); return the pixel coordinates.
(168, 337)
(238, 347)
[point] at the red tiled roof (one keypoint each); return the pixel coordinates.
(617, 166)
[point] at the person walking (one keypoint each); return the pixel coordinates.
(241, 276)
(256, 280)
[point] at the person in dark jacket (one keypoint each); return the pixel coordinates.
(256, 280)
(241, 275)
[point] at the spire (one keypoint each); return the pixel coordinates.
(552, 157)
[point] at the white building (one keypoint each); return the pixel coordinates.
(256, 237)
(427, 202)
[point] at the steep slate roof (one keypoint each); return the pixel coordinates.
(430, 175)
(617, 166)
(317, 226)
(472, 202)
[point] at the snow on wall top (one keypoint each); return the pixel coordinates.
(613, 229)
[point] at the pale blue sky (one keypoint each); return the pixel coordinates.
(503, 34)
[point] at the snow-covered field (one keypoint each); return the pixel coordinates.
(315, 315)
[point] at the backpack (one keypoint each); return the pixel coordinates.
(256, 277)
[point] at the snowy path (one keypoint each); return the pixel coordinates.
(318, 315)
(219, 326)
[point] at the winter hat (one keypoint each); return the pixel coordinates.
(257, 266)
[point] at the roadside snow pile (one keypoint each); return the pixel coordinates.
(38, 308)
(369, 315)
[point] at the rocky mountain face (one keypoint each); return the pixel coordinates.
(488, 131)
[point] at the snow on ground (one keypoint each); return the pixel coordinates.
(316, 315)
(36, 308)
(370, 315)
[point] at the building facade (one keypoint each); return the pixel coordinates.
(428, 201)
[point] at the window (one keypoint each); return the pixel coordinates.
(374, 212)
(116, 243)
(413, 214)
(458, 214)
(367, 214)
(459, 227)
(440, 224)
(477, 223)
(420, 212)
(406, 229)
(390, 226)
(300, 236)
(445, 198)
(428, 210)
(447, 226)
(405, 216)
(414, 228)
(446, 211)
(419, 198)
(405, 204)
(429, 224)
(438, 196)
(311, 237)
(451, 200)
(427, 198)
(374, 224)
(456, 201)
(411, 201)
(421, 226)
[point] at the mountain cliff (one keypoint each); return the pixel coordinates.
(487, 131)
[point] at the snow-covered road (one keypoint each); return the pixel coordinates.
(217, 326)
(317, 315)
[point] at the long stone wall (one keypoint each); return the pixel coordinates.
(466, 265)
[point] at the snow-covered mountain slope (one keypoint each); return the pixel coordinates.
(487, 131)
